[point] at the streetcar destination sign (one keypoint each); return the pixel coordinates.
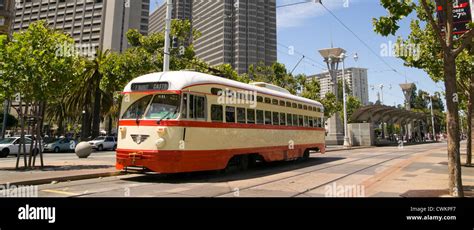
(150, 86)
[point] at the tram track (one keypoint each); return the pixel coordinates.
(115, 186)
(320, 169)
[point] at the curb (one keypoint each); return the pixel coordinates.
(63, 179)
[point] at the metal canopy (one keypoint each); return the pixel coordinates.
(382, 113)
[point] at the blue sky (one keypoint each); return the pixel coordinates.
(309, 27)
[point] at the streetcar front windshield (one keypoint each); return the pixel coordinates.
(160, 106)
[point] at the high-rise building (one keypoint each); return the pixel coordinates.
(98, 23)
(182, 9)
(240, 33)
(356, 78)
(6, 14)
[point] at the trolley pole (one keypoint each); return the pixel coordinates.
(166, 59)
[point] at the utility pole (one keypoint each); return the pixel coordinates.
(166, 59)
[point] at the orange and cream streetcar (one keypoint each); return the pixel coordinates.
(186, 121)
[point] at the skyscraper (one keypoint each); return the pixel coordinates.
(98, 23)
(240, 33)
(356, 79)
(6, 13)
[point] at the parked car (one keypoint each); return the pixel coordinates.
(10, 145)
(101, 143)
(60, 145)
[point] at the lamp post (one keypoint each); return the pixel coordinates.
(344, 97)
(344, 101)
(332, 57)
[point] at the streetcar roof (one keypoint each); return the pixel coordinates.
(179, 80)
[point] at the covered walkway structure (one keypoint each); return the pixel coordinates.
(411, 126)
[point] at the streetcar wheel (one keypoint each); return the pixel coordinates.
(305, 155)
(244, 163)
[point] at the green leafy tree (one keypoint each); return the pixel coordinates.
(35, 66)
(445, 48)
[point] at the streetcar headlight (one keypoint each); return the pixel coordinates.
(160, 142)
(123, 132)
(161, 131)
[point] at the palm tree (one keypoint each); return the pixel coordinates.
(88, 96)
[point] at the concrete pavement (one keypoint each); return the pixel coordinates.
(385, 171)
(58, 167)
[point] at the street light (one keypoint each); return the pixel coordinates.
(344, 100)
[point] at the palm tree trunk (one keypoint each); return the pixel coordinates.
(452, 126)
(96, 114)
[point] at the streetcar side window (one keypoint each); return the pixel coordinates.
(276, 118)
(268, 100)
(300, 120)
(216, 113)
(230, 114)
(318, 122)
(191, 106)
(200, 108)
(282, 119)
(288, 104)
(251, 116)
(289, 119)
(268, 117)
(197, 107)
(275, 101)
(295, 120)
(294, 105)
(241, 115)
(305, 121)
(260, 117)
(311, 124)
(184, 106)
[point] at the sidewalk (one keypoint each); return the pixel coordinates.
(58, 167)
(424, 175)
